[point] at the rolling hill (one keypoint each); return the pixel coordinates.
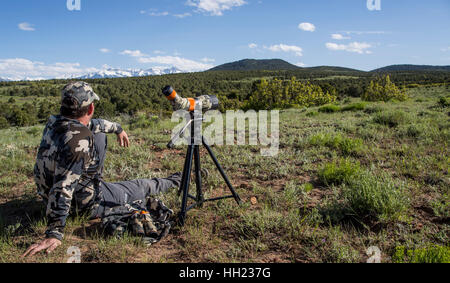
(274, 65)
(252, 64)
(409, 68)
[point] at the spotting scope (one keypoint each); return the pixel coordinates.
(203, 102)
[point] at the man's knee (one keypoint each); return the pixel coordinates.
(100, 141)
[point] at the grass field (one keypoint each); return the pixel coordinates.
(346, 178)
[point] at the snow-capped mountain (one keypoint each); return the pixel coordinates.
(119, 73)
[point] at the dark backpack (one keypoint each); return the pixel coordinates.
(152, 222)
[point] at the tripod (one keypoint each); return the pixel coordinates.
(193, 153)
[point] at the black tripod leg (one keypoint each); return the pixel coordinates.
(198, 176)
(222, 172)
(184, 187)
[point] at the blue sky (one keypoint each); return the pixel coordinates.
(44, 39)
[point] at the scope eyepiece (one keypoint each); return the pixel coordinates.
(167, 90)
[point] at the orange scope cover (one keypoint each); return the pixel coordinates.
(192, 102)
(172, 95)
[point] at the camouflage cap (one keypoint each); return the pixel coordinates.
(82, 92)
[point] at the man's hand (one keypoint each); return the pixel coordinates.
(48, 244)
(122, 139)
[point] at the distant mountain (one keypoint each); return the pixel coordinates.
(331, 69)
(252, 64)
(274, 65)
(406, 68)
(119, 73)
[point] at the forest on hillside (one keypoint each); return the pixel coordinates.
(28, 103)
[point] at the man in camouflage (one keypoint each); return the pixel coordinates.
(69, 166)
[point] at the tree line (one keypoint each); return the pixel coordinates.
(235, 89)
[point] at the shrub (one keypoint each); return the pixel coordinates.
(444, 101)
(378, 92)
(339, 172)
(287, 94)
(3, 123)
(329, 108)
(391, 118)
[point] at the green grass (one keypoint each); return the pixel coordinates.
(391, 118)
(345, 145)
(342, 181)
(340, 172)
(431, 254)
(329, 108)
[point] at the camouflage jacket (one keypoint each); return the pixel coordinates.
(66, 166)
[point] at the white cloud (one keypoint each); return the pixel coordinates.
(208, 60)
(154, 13)
(367, 32)
(357, 47)
(26, 27)
(21, 69)
(158, 52)
(300, 64)
(133, 53)
(180, 16)
(286, 48)
(181, 63)
(252, 45)
(104, 50)
(215, 7)
(445, 49)
(339, 36)
(307, 27)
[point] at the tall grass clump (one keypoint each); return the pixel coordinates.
(375, 196)
(391, 118)
(338, 172)
(329, 108)
(354, 107)
(346, 145)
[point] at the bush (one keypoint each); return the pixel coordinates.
(345, 145)
(339, 172)
(391, 118)
(4, 124)
(379, 92)
(287, 94)
(329, 108)
(444, 101)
